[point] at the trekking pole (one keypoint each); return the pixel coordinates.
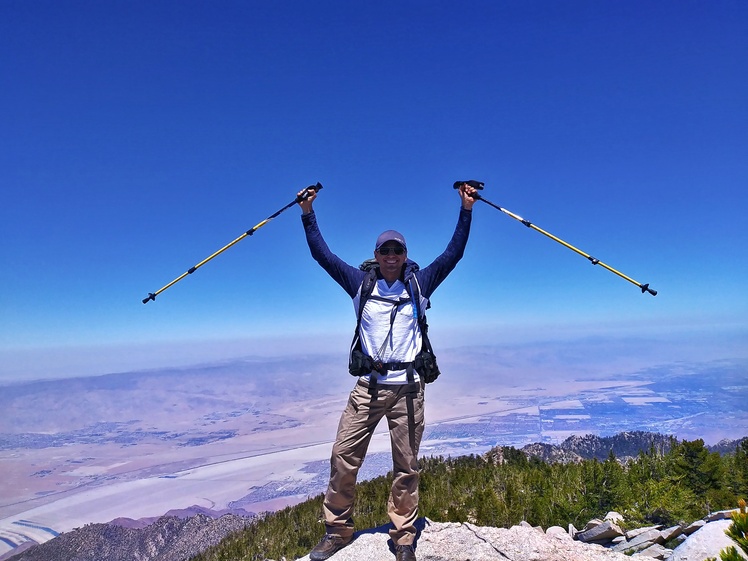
(304, 194)
(593, 260)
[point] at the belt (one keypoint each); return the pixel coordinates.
(390, 366)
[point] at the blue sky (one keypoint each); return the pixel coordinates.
(139, 137)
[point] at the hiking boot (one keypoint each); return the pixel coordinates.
(405, 553)
(329, 545)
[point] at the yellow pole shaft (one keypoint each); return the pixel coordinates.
(228, 245)
(582, 253)
(593, 260)
(216, 254)
(299, 198)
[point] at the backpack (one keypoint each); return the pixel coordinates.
(425, 364)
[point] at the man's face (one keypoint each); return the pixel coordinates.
(390, 263)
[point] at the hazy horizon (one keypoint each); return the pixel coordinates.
(728, 341)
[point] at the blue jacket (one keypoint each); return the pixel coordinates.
(387, 334)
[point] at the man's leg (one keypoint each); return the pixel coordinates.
(406, 429)
(357, 424)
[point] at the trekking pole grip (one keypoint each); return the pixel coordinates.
(645, 288)
(305, 193)
(472, 182)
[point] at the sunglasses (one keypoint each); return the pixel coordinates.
(388, 250)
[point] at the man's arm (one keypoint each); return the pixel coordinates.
(432, 276)
(345, 275)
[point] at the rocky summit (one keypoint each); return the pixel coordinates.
(174, 539)
(454, 541)
(599, 541)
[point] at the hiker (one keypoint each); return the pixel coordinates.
(390, 353)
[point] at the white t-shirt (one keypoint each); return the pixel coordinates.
(388, 340)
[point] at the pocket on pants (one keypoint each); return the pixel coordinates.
(352, 402)
(419, 409)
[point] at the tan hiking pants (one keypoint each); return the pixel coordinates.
(357, 424)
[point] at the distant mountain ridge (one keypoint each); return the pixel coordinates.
(727, 446)
(623, 445)
(182, 513)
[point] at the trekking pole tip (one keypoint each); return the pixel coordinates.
(645, 288)
(151, 296)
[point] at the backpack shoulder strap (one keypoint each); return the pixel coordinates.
(367, 287)
(414, 289)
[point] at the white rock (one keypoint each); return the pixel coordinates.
(706, 542)
(641, 542)
(614, 517)
(694, 527)
(631, 534)
(719, 515)
(604, 532)
(557, 531)
(592, 524)
(655, 551)
(671, 533)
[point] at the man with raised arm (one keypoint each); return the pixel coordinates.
(388, 355)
